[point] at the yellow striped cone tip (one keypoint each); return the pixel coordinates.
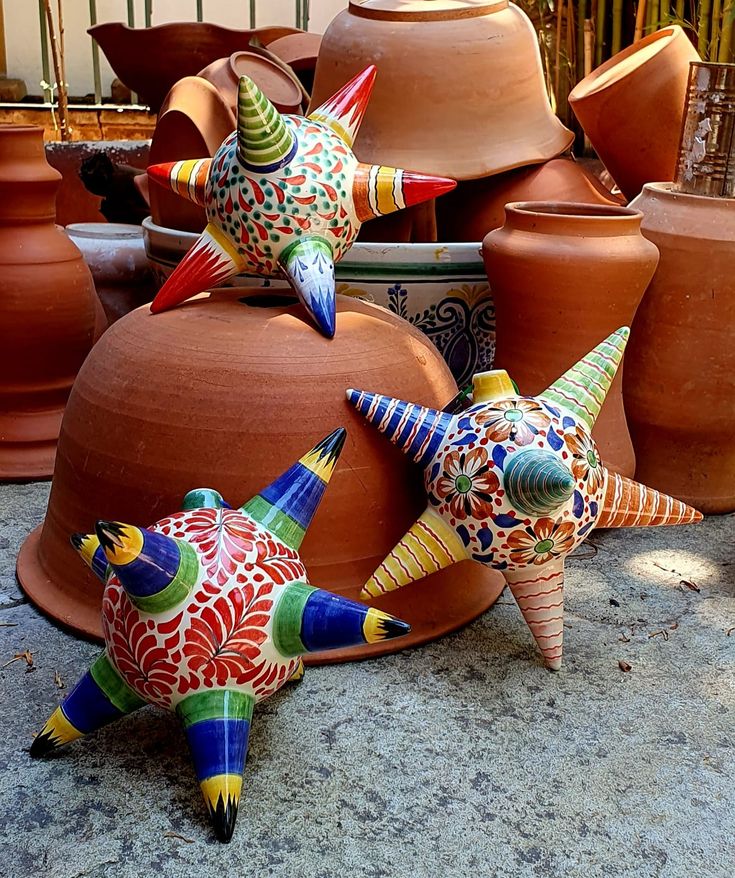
(58, 730)
(429, 545)
(582, 389)
(631, 504)
(187, 178)
(298, 673)
(539, 593)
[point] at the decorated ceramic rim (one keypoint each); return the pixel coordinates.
(107, 231)
(625, 63)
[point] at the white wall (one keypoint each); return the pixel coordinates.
(23, 44)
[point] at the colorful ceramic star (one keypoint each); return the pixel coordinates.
(208, 612)
(515, 482)
(286, 196)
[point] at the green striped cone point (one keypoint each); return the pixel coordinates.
(264, 141)
(537, 482)
(583, 388)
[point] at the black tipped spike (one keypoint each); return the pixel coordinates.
(109, 533)
(223, 818)
(391, 627)
(43, 744)
(76, 540)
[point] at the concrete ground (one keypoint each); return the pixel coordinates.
(463, 758)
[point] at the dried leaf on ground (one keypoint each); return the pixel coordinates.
(624, 666)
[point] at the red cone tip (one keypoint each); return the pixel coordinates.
(161, 173)
(422, 187)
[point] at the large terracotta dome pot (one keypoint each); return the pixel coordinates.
(48, 307)
(476, 207)
(460, 89)
(679, 380)
(565, 276)
(227, 393)
(631, 108)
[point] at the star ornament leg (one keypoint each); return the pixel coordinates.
(208, 612)
(285, 197)
(516, 483)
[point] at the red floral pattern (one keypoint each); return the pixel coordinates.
(467, 484)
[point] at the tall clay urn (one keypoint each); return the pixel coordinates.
(679, 380)
(564, 276)
(226, 392)
(48, 307)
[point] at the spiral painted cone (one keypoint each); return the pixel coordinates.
(157, 572)
(416, 430)
(631, 504)
(203, 498)
(539, 593)
(583, 388)
(264, 141)
(187, 178)
(308, 619)
(287, 506)
(100, 697)
(378, 190)
(537, 483)
(344, 111)
(429, 545)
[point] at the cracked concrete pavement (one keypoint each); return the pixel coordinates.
(465, 757)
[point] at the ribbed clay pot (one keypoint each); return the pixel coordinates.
(632, 106)
(48, 307)
(460, 89)
(227, 392)
(279, 85)
(115, 254)
(476, 207)
(565, 276)
(679, 380)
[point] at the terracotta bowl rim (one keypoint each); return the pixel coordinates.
(573, 210)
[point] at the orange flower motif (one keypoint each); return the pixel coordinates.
(468, 484)
(516, 419)
(539, 543)
(585, 462)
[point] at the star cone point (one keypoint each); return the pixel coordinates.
(186, 178)
(344, 111)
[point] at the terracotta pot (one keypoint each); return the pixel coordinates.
(565, 276)
(631, 108)
(283, 90)
(476, 207)
(440, 288)
(460, 90)
(115, 254)
(193, 121)
(48, 307)
(300, 52)
(150, 60)
(680, 366)
(248, 409)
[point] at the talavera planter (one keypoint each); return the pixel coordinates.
(441, 289)
(48, 307)
(259, 384)
(679, 380)
(563, 276)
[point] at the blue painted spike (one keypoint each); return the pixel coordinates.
(145, 561)
(416, 430)
(330, 621)
(309, 266)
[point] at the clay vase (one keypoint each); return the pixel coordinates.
(281, 88)
(680, 367)
(149, 60)
(460, 89)
(632, 106)
(48, 307)
(476, 207)
(193, 121)
(563, 276)
(300, 52)
(233, 388)
(115, 254)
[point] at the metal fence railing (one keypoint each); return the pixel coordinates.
(301, 20)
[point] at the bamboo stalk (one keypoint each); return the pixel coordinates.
(581, 17)
(715, 34)
(617, 26)
(600, 31)
(60, 84)
(640, 19)
(705, 7)
(680, 10)
(557, 54)
(724, 51)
